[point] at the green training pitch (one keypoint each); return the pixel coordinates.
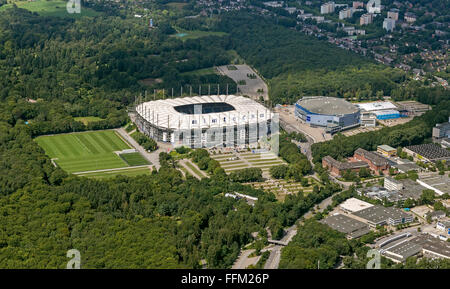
(131, 172)
(51, 8)
(134, 159)
(86, 151)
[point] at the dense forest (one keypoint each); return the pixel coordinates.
(297, 65)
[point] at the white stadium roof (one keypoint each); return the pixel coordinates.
(379, 105)
(243, 110)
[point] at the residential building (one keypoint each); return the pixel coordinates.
(327, 8)
(410, 17)
(346, 13)
(393, 14)
(358, 4)
(389, 24)
(366, 19)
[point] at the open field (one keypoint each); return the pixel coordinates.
(194, 34)
(129, 172)
(87, 119)
(200, 72)
(176, 5)
(86, 151)
(50, 8)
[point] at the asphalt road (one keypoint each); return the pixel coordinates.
(275, 255)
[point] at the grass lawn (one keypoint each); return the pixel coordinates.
(86, 151)
(194, 34)
(51, 8)
(87, 119)
(134, 159)
(128, 172)
(195, 170)
(201, 72)
(177, 5)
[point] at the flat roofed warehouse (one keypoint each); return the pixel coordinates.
(200, 121)
(354, 205)
(372, 106)
(379, 215)
(342, 223)
(403, 249)
(440, 184)
(428, 152)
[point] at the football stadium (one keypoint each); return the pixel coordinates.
(335, 114)
(205, 121)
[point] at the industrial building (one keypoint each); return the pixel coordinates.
(337, 168)
(353, 205)
(441, 131)
(386, 150)
(427, 152)
(440, 184)
(205, 121)
(334, 114)
(387, 114)
(351, 227)
(379, 216)
(380, 110)
(392, 184)
(412, 108)
(443, 226)
(394, 191)
(377, 105)
(377, 164)
(403, 246)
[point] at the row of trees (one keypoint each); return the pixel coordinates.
(147, 143)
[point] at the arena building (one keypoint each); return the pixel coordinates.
(205, 121)
(335, 114)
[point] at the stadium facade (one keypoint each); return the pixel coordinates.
(205, 121)
(335, 114)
